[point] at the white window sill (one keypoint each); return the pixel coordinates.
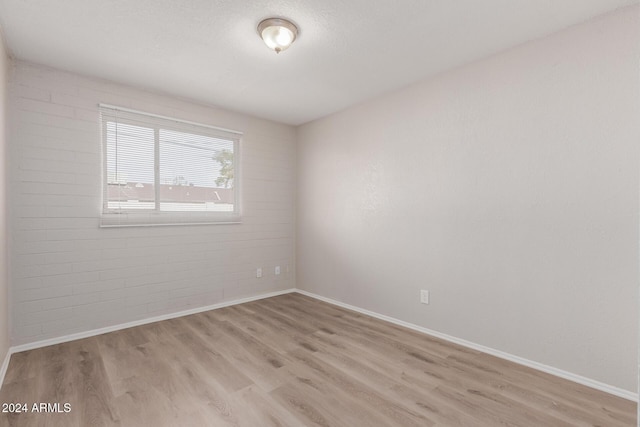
(163, 219)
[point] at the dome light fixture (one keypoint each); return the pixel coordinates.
(277, 33)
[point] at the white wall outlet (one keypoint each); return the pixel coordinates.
(424, 297)
(277, 270)
(259, 273)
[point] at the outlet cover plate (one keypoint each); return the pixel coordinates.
(424, 297)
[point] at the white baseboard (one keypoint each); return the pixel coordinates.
(616, 391)
(94, 332)
(5, 365)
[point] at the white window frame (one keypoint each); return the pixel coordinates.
(156, 217)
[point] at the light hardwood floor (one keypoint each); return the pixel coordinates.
(291, 361)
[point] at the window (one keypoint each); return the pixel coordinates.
(159, 170)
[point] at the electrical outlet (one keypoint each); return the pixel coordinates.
(277, 270)
(424, 297)
(259, 273)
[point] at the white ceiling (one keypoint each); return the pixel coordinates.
(208, 50)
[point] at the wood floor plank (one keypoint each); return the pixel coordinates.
(96, 406)
(264, 410)
(143, 405)
(391, 378)
(225, 371)
(24, 365)
(24, 392)
(260, 364)
(395, 413)
(278, 335)
(315, 401)
(291, 361)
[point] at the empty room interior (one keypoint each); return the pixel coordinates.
(319, 213)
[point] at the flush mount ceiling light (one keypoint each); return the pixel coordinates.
(277, 33)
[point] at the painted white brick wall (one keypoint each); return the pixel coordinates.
(68, 275)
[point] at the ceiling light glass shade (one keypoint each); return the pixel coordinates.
(277, 33)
